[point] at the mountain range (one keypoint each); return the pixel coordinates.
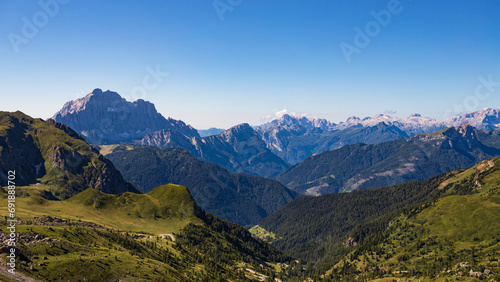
(485, 119)
(363, 166)
(294, 138)
(55, 162)
(209, 132)
(265, 150)
(80, 218)
(237, 197)
(106, 118)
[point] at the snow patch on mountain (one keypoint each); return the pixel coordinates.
(485, 119)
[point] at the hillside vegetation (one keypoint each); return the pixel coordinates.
(457, 236)
(162, 235)
(447, 225)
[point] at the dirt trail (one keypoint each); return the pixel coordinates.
(17, 276)
(169, 235)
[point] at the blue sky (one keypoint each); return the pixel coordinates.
(253, 59)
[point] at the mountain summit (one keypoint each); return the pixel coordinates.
(106, 118)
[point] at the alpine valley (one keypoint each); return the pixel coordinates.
(111, 190)
(237, 197)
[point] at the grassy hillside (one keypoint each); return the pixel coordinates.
(449, 238)
(162, 235)
(236, 197)
(421, 228)
(53, 155)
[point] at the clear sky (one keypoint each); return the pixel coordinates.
(234, 61)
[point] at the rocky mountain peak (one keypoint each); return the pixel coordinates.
(106, 96)
(465, 129)
(240, 131)
(461, 131)
(285, 117)
(107, 118)
(462, 137)
(353, 119)
(97, 91)
(380, 116)
(242, 126)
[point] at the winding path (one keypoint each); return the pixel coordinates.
(169, 235)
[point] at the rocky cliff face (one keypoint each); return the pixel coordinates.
(18, 151)
(107, 118)
(43, 152)
(238, 149)
(462, 137)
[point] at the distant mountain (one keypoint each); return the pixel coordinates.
(209, 132)
(236, 197)
(107, 118)
(52, 154)
(294, 139)
(485, 119)
(238, 149)
(297, 123)
(412, 125)
(362, 166)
